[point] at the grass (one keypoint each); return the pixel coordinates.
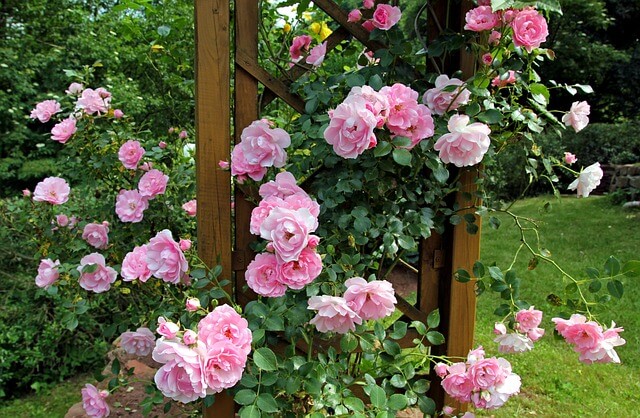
(579, 233)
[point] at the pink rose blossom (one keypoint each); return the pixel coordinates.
(191, 207)
(487, 59)
(334, 314)
(368, 4)
(62, 220)
(54, 190)
(263, 145)
(486, 373)
(504, 79)
(165, 259)
(224, 165)
(466, 143)
(97, 235)
(441, 369)
(223, 365)
(47, 272)
(578, 116)
(94, 101)
(74, 89)
(297, 274)
(241, 168)
(529, 29)
(370, 300)
(45, 110)
(153, 183)
(64, 130)
(140, 342)
(475, 355)
(440, 100)
(134, 265)
(386, 16)
(26, 193)
(180, 378)
(288, 230)
(130, 154)
(585, 335)
(481, 18)
(496, 396)
(183, 134)
(403, 102)
(421, 125)
(368, 25)
(225, 325)
(192, 304)
(300, 45)
(93, 401)
(95, 276)
(458, 384)
(604, 352)
(118, 114)
(189, 337)
(570, 158)
(494, 37)
(377, 103)
(284, 185)
(508, 15)
(447, 410)
(167, 329)
(316, 55)
(162, 145)
(588, 180)
(130, 206)
(302, 200)
(354, 16)
(528, 320)
(262, 276)
(185, 244)
(511, 342)
(262, 211)
(351, 126)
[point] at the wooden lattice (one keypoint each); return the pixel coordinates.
(440, 255)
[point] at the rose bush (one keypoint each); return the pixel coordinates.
(344, 194)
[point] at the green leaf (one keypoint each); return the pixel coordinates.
(433, 320)
(420, 327)
(398, 381)
(462, 275)
(585, 88)
(265, 359)
(592, 272)
(407, 242)
(267, 403)
(348, 343)
(164, 30)
(383, 148)
(391, 347)
(311, 105)
(441, 174)
(250, 411)
(378, 397)
(355, 80)
(494, 222)
(595, 286)
(540, 93)
(245, 397)
(631, 268)
(435, 337)
(478, 269)
(90, 268)
(501, 4)
(375, 82)
(421, 386)
(397, 402)
(402, 156)
(427, 405)
(612, 266)
(354, 404)
(491, 116)
(399, 330)
(198, 273)
(615, 288)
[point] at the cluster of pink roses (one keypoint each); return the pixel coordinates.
(261, 146)
(285, 217)
(589, 340)
(384, 17)
(94, 401)
(300, 46)
(139, 342)
(162, 258)
(199, 364)
(527, 332)
(486, 382)
(361, 301)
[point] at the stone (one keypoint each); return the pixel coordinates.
(634, 182)
(76, 411)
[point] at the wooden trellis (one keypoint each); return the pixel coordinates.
(440, 255)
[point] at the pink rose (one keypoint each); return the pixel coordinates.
(354, 16)
(225, 325)
(94, 101)
(386, 16)
(570, 158)
(284, 185)
(192, 304)
(368, 25)
(403, 104)
(487, 59)
(162, 145)
(588, 180)
(420, 127)
(191, 207)
(47, 272)
(167, 329)
(486, 373)
(189, 337)
(262, 276)
(241, 168)
(183, 134)
(334, 314)
(504, 79)
(93, 401)
(97, 235)
(316, 55)
(26, 192)
(153, 183)
(475, 355)
(466, 143)
(74, 89)
(440, 100)
(140, 342)
(95, 276)
(481, 18)
(513, 342)
(118, 114)
(224, 165)
(54, 190)
(495, 396)
(134, 265)
(299, 46)
(351, 126)
(578, 116)
(441, 369)
(529, 29)
(165, 259)
(494, 37)
(130, 154)
(370, 300)
(62, 131)
(62, 220)
(185, 244)
(604, 352)
(130, 206)
(458, 384)
(368, 4)
(45, 110)
(377, 103)
(262, 211)
(528, 319)
(223, 365)
(288, 230)
(263, 145)
(297, 274)
(181, 378)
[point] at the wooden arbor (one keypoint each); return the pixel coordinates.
(440, 255)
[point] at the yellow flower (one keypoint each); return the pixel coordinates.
(286, 28)
(320, 29)
(307, 16)
(315, 27)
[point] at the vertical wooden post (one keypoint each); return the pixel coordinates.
(212, 144)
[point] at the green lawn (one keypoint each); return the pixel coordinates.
(579, 233)
(49, 403)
